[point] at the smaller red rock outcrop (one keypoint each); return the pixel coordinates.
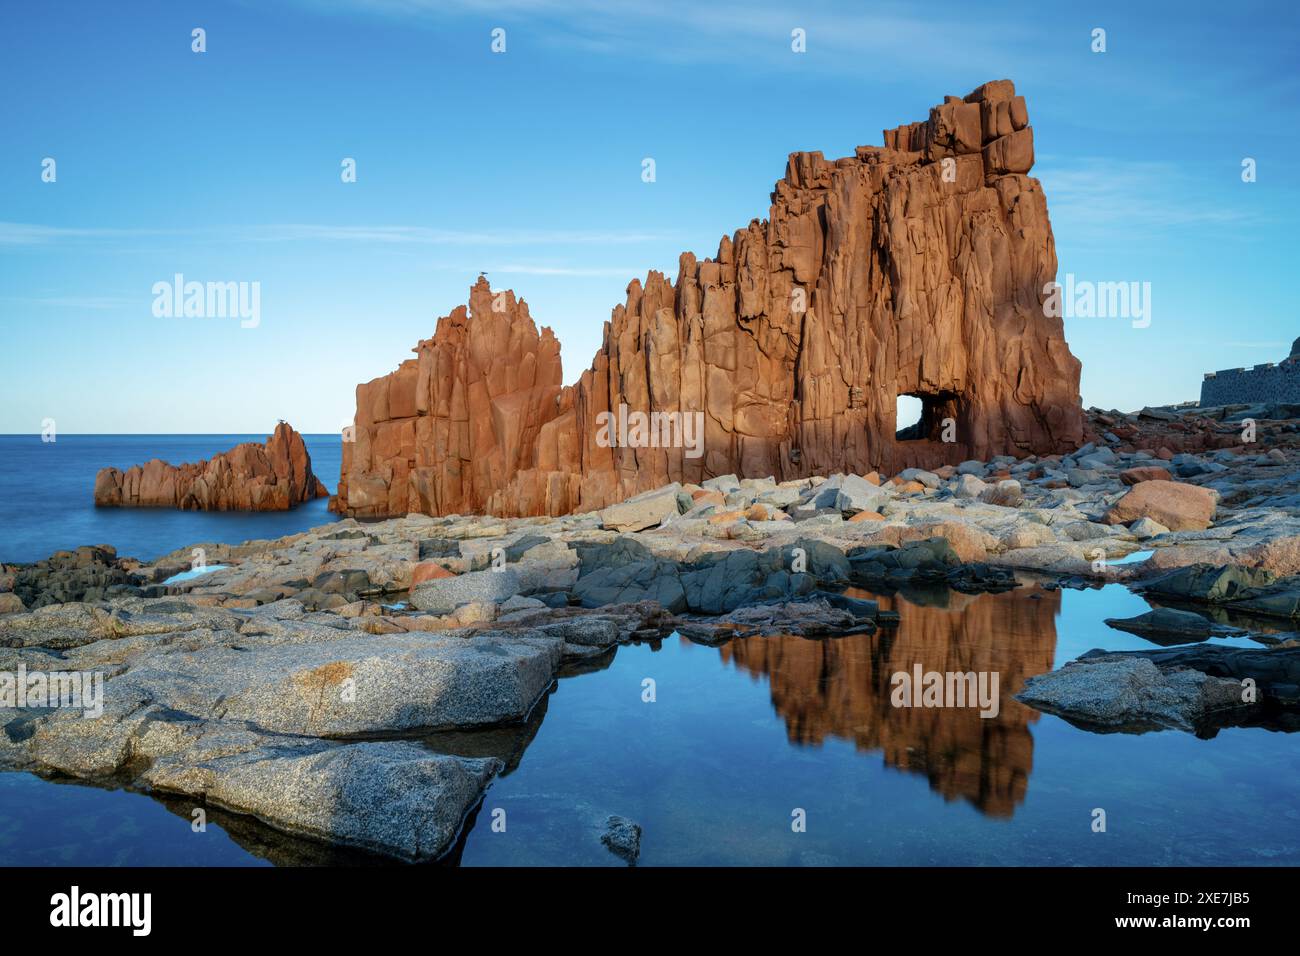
(273, 476)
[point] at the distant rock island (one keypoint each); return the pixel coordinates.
(274, 476)
(917, 268)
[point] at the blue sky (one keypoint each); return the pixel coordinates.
(224, 166)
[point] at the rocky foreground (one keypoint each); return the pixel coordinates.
(295, 680)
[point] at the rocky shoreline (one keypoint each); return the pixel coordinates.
(298, 683)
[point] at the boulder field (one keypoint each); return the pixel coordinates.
(273, 476)
(921, 267)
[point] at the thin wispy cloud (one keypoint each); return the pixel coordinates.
(34, 234)
(744, 34)
(31, 234)
(617, 272)
(1101, 200)
(69, 301)
(444, 237)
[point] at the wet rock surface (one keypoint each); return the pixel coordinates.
(623, 838)
(1255, 591)
(393, 798)
(1132, 694)
(1273, 672)
(1171, 626)
(815, 615)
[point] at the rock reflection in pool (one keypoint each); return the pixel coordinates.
(841, 687)
(741, 735)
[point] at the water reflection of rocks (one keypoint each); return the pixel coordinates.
(841, 688)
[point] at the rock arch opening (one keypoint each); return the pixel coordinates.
(907, 417)
(922, 416)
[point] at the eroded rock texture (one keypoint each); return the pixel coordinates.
(917, 268)
(273, 476)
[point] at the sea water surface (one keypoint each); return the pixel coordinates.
(741, 741)
(47, 500)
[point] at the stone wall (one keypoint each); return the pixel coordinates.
(1262, 383)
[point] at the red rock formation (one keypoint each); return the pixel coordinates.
(917, 268)
(250, 477)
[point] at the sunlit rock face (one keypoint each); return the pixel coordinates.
(842, 688)
(273, 476)
(917, 268)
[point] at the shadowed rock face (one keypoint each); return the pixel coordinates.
(250, 477)
(918, 268)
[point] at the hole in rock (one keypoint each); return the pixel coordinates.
(927, 416)
(908, 420)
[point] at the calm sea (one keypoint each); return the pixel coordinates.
(47, 495)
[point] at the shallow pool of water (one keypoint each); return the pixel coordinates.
(743, 741)
(195, 573)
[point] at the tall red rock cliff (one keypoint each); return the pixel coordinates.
(917, 268)
(249, 477)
